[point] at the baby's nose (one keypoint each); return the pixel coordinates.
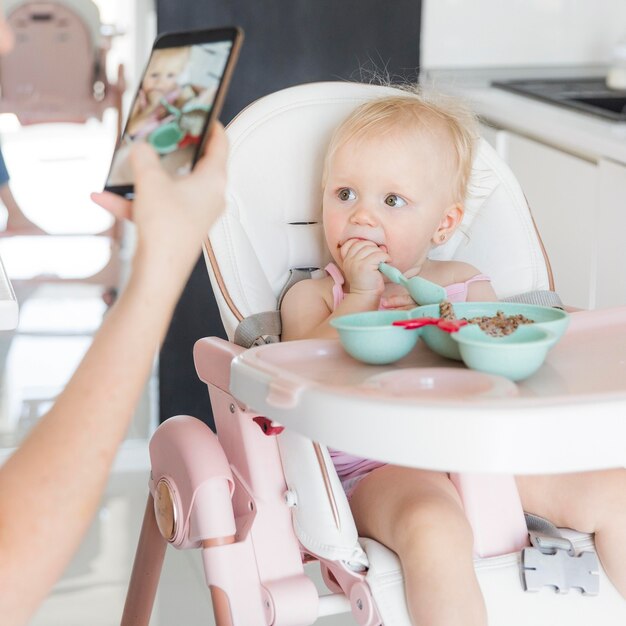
(363, 214)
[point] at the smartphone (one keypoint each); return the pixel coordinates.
(181, 93)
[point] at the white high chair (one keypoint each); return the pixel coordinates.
(259, 502)
(57, 71)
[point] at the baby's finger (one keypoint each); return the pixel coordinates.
(372, 254)
(397, 301)
(346, 245)
(354, 246)
(114, 204)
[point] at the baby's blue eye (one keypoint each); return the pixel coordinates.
(395, 201)
(346, 194)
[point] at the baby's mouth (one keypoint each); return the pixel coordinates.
(382, 246)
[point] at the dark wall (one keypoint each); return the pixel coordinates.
(287, 42)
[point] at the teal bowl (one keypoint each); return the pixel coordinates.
(164, 139)
(370, 336)
(515, 356)
(441, 342)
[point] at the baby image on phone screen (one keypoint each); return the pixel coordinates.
(163, 84)
(171, 107)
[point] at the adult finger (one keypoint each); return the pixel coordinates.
(114, 204)
(215, 153)
(145, 163)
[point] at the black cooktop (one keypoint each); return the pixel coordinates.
(589, 95)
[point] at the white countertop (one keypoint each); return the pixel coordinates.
(579, 133)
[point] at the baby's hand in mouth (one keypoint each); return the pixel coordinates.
(360, 261)
(345, 248)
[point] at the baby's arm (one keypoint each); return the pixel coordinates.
(306, 310)
(479, 291)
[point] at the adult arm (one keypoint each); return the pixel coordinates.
(7, 39)
(51, 486)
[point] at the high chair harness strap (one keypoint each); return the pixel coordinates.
(338, 281)
(265, 327)
(553, 561)
(543, 298)
(258, 329)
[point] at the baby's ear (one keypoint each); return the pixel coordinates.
(452, 218)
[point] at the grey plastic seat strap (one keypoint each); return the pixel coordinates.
(258, 329)
(553, 562)
(543, 298)
(544, 535)
(266, 327)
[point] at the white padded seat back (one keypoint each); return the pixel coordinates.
(86, 10)
(272, 222)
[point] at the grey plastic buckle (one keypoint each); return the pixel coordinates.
(553, 563)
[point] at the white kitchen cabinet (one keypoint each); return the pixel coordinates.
(610, 232)
(572, 168)
(579, 205)
(561, 191)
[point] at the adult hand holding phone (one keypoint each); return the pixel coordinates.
(172, 211)
(179, 98)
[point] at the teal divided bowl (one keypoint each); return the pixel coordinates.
(370, 336)
(165, 138)
(515, 356)
(441, 342)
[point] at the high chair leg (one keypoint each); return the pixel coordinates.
(494, 510)
(146, 571)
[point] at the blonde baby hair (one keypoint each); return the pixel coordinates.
(418, 112)
(180, 55)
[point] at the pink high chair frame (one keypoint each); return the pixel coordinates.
(226, 494)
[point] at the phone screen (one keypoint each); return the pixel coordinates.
(180, 90)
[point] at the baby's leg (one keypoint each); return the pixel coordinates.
(592, 502)
(418, 515)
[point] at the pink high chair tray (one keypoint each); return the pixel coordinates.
(569, 416)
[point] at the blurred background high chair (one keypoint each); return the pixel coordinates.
(57, 71)
(260, 501)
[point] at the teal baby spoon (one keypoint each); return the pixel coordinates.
(421, 290)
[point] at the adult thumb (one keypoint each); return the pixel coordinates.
(215, 152)
(144, 161)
